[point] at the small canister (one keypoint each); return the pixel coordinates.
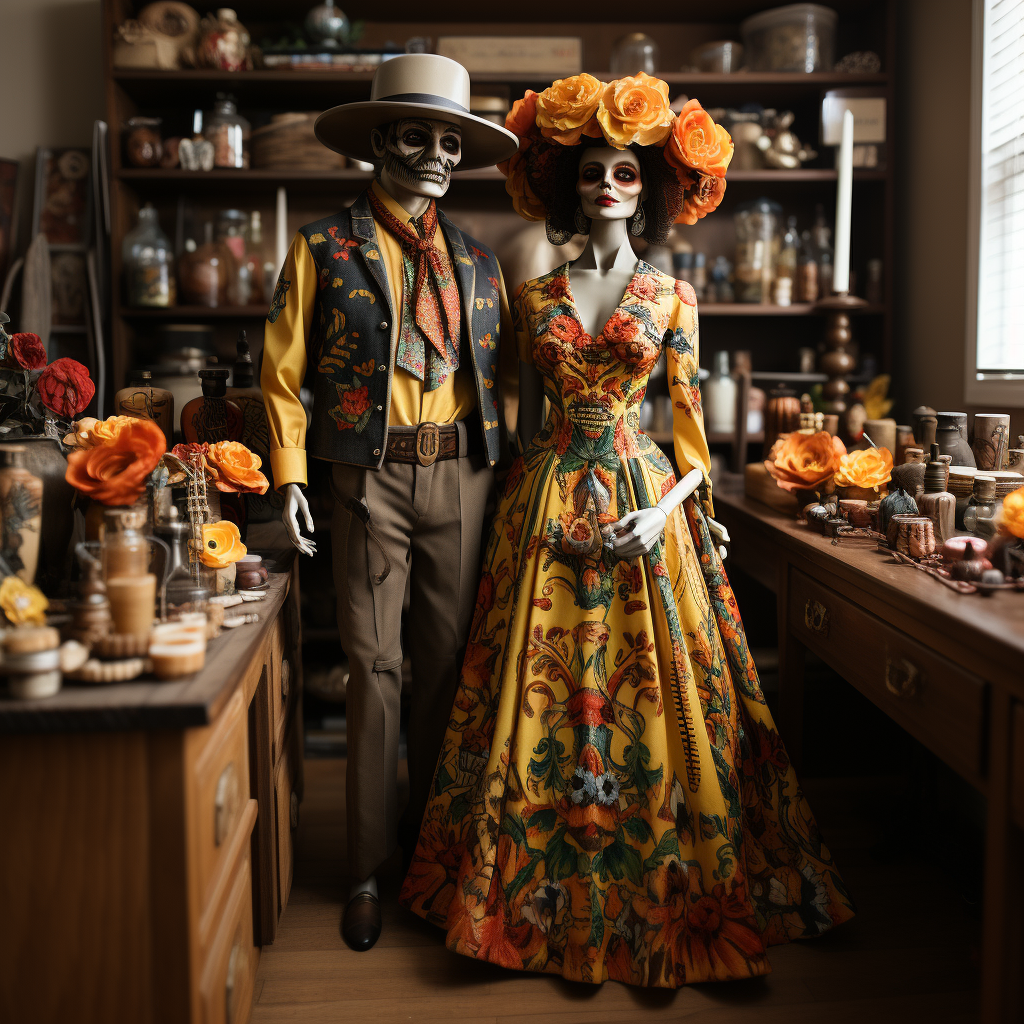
(915, 536)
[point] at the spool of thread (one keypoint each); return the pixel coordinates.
(132, 603)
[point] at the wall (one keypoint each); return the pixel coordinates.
(934, 86)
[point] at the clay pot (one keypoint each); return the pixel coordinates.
(951, 437)
(44, 459)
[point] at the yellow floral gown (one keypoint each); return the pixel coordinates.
(612, 799)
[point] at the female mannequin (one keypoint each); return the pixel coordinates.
(612, 799)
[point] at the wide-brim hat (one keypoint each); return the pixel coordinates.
(416, 85)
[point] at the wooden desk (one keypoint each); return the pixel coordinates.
(946, 667)
(146, 834)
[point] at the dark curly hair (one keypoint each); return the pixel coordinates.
(555, 187)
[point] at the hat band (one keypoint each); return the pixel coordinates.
(423, 97)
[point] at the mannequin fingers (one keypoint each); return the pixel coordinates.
(307, 516)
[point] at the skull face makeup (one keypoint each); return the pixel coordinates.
(418, 155)
(609, 184)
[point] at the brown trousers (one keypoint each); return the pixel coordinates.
(429, 521)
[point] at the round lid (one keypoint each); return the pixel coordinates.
(985, 487)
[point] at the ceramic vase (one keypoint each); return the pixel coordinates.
(21, 506)
(951, 437)
(991, 440)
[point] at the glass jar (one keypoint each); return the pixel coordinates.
(232, 228)
(634, 53)
(143, 143)
(979, 516)
(208, 275)
(148, 262)
(757, 249)
(229, 133)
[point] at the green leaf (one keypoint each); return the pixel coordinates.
(668, 846)
(459, 808)
(596, 917)
(711, 825)
(442, 780)
(638, 828)
(544, 820)
(559, 857)
(525, 874)
(512, 825)
(621, 860)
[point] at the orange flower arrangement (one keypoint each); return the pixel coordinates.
(222, 545)
(89, 432)
(697, 142)
(805, 462)
(870, 468)
(235, 469)
(1012, 517)
(635, 111)
(703, 198)
(114, 472)
(567, 109)
(521, 120)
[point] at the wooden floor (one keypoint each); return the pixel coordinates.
(911, 954)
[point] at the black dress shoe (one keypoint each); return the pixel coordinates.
(360, 923)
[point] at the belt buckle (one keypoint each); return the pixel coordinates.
(428, 443)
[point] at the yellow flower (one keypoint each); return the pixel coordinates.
(566, 109)
(635, 110)
(871, 467)
(1012, 517)
(90, 432)
(222, 545)
(24, 605)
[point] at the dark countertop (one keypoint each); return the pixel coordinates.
(145, 703)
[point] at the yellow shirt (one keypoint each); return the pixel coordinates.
(285, 357)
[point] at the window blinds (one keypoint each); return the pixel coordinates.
(1000, 346)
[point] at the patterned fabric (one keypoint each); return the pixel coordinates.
(427, 273)
(612, 799)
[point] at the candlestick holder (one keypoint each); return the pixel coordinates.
(837, 362)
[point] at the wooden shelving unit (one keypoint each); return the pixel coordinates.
(771, 333)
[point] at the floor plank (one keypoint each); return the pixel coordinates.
(910, 954)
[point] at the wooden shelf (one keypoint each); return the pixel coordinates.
(193, 312)
(766, 309)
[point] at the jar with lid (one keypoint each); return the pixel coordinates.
(148, 262)
(757, 249)
(208, 274)
(981, 509)
(229, 133)
(232, 227)
(143, 142)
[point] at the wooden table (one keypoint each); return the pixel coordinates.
(145, 833)
(948, 668)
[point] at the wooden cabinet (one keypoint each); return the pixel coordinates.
(135, 886)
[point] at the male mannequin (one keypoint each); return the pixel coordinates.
(400, 320)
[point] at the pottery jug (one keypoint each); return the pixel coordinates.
(44, 459)
(951, 436)
(21, 506)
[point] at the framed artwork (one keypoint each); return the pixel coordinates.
(63, 198)
(8, 187)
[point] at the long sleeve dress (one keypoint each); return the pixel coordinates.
(612, 799)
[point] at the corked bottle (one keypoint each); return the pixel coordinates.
(145, 401)
(936, 502)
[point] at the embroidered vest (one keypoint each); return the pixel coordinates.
(349, 347)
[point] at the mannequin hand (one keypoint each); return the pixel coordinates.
(720, 535)
(294, 502)
(642, 530)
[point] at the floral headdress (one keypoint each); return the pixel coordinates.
(632, 111)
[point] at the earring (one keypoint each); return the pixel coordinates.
(638, 222)
(581, 222)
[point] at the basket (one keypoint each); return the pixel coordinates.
(288, 143)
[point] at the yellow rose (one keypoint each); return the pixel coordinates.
(869, 468)
(90, 432)
(222, 545)
(1012, 517)
(23, 604)
(566, 109)
(635, 110)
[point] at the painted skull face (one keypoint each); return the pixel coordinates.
(419, 155)
(609, 184)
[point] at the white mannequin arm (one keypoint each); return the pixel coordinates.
(637, 532)
(531, 403)
(294, 502)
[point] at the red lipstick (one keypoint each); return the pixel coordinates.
(606, 201)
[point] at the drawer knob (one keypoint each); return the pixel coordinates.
(293, 809)
(286, 679)
(225, 803)
(816, 617)
(901, 676)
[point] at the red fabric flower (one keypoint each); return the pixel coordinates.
(25, 352)
(685, 292)
(66, 388)
(356, 402)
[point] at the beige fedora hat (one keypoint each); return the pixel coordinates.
(416, 85)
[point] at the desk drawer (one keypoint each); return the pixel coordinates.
(286, 802)
(219, 795)
(934, 699)
(226, 981)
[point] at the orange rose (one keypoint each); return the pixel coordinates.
(521, 121)
(703, 197)
(222, 545)
(1012, 517)
(235, 469)
(114, 473)
(517, 185)
(805, 462)
(89, 432)
(871, 467)
(697, 142)
(635, 110)
(566, 109)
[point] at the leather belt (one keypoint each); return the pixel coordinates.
(432, 442)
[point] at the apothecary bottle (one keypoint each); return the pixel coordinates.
(148, 262)
(757, 249)
(229, 133)
(981, 509)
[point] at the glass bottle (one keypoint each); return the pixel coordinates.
(806, 271)
(214, 417)
(720, 397)
(229, 133)
(231, 230)
(936, 502)
(131, 587)
(981, 509)
(757, 247)
(148, 262)
(207, 273)
(789, 251)
(634, 53)
(251, 274)
(722, 272)
(822, 236)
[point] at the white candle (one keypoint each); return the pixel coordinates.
(844, 204)
(281, 228)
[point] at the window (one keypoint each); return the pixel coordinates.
(995, 370)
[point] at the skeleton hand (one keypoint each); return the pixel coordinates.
(294, 502)
(637, 532)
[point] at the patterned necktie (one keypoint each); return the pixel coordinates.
(428, 276)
